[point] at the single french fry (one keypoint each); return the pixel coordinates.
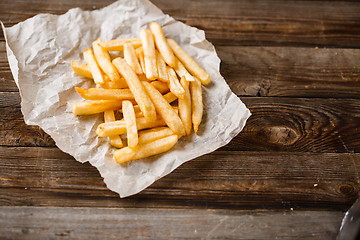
(153, 134)
(118, 44)
(162, 44)
(115, 140)
(149, 54)
(81, 69)
(130, 123)
(137, 89)
(175, 86)
(189, 63)
(93, 66)
(105, 94)
(196, 103)
(103, 59)
(165, 110)
(160, 86)
(145, 150)
(140, 55)
(99, 50)
(113, 84)
(185, 107)
(131, 59)
(92, 107)
(170, 97)
(161, 67)
(181, 71)
(119, 127)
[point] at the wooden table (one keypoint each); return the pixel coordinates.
(291, 173)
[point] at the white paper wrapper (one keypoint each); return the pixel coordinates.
(40, 51)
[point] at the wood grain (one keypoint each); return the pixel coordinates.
(228, 180)
(277, 124)
(90, 223)
(300, 23)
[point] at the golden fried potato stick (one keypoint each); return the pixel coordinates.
(161, 67)
(137, 89)
(160, 86)
(81, 69)
(103, 59)
(162, 44)
(181, 71)
(189, 63)
(131, 59)
(196, 103)
(152, 134)
(118, 44)
(119, 127)
(115, 140)
(149, 53)
(145, 150)
(99, 50)
(113, 84)
(130, 123)
(92, 107)
(165, 110)
(140, 55)
(170, 97)
(185, 107)
(105, 94)
(93, 66)
(175, 86)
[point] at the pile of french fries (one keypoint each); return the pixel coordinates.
(143, 90)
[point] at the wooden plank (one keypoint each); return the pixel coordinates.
(277, 124)
(276, 23)
(229, 180)
(273, 71)
(90, 223)
(291, 72)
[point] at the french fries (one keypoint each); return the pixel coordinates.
(81, 69)
(153, 134)
(93, 107)
(118, 44)
(137, 89)
(185, 106)
(161, 67)
(175, 86)
(131, 59)
(119, 127)
(103, 59)
(189, 63)
(130, 123)
(161, 86)
(93, 66)
(140, 87)
(162, 44)
(182, 72)
(165, 110)
(145, 150)
(149, 54)
(105, 94)
(115, 140)
(196, 103)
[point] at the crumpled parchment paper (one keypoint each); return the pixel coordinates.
(40, 50)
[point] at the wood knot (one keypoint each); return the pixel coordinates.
(347, 189)
(281, 135)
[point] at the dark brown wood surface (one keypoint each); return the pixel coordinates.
(291, 173)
